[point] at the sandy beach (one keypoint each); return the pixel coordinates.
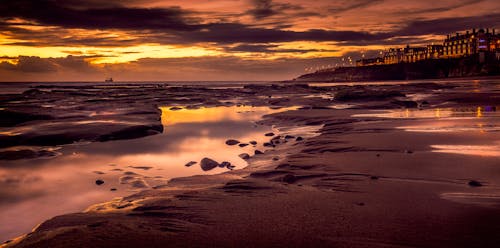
(408, 164)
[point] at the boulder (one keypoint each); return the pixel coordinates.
(208, 164)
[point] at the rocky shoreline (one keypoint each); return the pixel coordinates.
(347, 169)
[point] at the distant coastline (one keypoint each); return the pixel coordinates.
(424, 69)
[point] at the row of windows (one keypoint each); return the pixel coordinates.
(465, 41)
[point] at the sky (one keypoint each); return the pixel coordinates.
(216, 40)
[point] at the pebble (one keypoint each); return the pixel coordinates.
(191, 163)
(474, 183)
(232, 142)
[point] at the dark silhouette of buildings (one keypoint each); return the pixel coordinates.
(481, 43)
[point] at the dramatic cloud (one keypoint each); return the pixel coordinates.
(352, 5)
(59, 13)
(450, 25)
(107, 37)
(34, 64)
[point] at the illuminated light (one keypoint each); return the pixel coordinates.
(479, 112)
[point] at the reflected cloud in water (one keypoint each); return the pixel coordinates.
(67, 183)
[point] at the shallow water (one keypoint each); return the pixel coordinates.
(66, 183)
(481, 124)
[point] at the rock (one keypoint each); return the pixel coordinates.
(126, 179)
(253, 142)
(289, 178)
(409, 151)
(269, 134)
(378, 155)
(141, 167)
(276, 158)
(267, 144)
(474, 183)
(244, 156)
(139, 183)
(130, 173)
(190, 163)
(299, 139)
(231, 167)
(374, 177)
(406, 104)
(10, 118)
(208, 164)
(224, 164)
(175, 108)
(132, 132)
(112, 189)
(99, 182)
(98, 172)
(243, 144)
(365, 94)
(289, 137)
(257, 152)
(232, 142)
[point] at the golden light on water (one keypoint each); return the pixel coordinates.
(171, 116)
(175, 115)
(474, 150)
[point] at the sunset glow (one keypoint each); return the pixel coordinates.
(124, 38)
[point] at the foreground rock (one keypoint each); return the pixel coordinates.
(232, 142)
(208, 164)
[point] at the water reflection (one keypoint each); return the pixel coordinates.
(479, 124)
(464, 112)
(475, 150)
(67, 183)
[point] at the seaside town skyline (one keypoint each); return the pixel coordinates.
(480, 42)
(215, 40)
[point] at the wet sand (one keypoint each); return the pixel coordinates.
(413, 165)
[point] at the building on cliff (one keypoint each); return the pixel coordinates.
(483, 43)
(393, 56)
(470, 43)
